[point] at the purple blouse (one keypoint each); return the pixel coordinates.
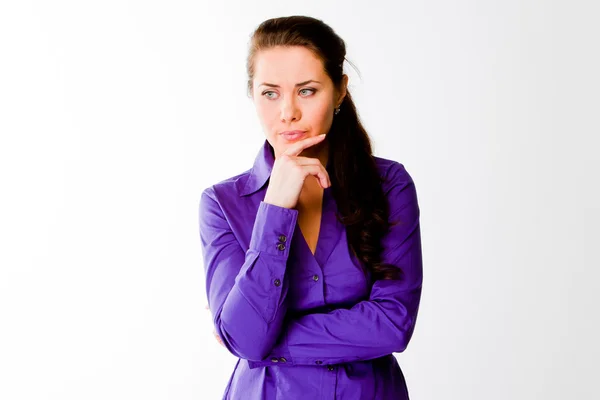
(308, 326)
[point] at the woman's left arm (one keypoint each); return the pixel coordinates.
(380, 325)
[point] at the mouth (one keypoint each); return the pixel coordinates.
(293, 135)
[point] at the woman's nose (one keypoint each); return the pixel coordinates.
(289, 111)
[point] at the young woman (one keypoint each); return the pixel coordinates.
(313, 256)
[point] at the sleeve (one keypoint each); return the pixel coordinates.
(246, 290)
(383, 323)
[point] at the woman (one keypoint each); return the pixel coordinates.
(313, 256)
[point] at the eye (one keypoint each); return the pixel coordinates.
(267, 92)
(309, 89)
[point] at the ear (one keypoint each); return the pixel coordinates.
(343, 89)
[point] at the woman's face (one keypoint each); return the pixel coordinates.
(292, 91)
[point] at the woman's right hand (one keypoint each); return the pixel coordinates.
(289, 172)
(215, 334)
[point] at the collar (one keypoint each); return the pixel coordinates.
(261, 170)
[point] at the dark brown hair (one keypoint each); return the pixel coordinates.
(356, 183)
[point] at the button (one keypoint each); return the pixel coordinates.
(330, 367)
(319, 362)
(274, 359)
(282, 359)
(281, 246)
(277, 282)
(282, 238)
(315, 278)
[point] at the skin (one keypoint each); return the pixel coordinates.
(282, 105)
(308, 107)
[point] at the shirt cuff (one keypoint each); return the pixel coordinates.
(273, 229)
(279, 355)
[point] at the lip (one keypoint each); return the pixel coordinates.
(291, 132)
(293, 135)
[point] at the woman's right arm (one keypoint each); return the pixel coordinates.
(246, 289)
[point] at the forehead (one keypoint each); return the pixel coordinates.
(287, 65)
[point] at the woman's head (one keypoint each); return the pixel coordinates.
(292, 50)
(292, 91)
(295, 77)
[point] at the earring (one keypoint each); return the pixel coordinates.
(336, 111)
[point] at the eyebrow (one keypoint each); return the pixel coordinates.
(297, 84)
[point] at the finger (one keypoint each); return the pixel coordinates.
(312, 161)
(218, 338)
(305, 161)
(319, 172)
(297, 147)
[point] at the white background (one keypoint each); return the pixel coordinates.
(115, 115)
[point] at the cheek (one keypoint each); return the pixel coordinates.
(320, 116)
(266, 113)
